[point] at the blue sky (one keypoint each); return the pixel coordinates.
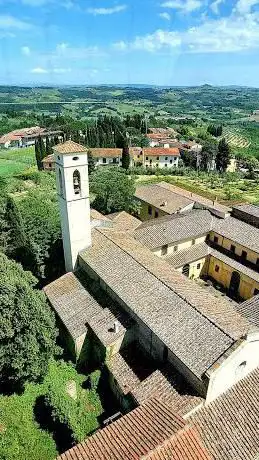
(166, 42)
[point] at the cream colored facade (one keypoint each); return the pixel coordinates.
(226, 244)
(171, 248)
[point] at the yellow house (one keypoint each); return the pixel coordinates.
(199, 244)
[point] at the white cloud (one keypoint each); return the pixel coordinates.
(10, 22)
(65, 50)
(39, 70)
(232, 34)
(245, 6)
(107, 11)
(186, 6)
(120, 46)
(215, 6)
(25, 50)
(62, 70)
(165, 16)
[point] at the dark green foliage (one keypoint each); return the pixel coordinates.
(189, 158)
(79, 409)
(208, 155)
(17, 241)
(91, 163)
(125, 158)
(223, 156)
(215, 131)
(27, 326)
(38, 155)
(113, 190)
(48, 147)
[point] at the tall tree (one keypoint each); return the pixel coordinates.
(207, 156)
(113, 189)
(48, 146)
(27, 326)
(91, 163)
(38, 155)
(125, 158)
(223, 156)
(16, 235)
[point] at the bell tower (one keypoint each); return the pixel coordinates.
(73, 192)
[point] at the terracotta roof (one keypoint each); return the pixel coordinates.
(171, 229)
(160, 151)
(250, 209)
(229, 426)
(238, 231)
(49, 159)
(186, 256)
(72, 303)
(105, 153)
(209, 204)
(165, 300)
(132, 436)
(185, 445)
(250, 309)
(124, 221)
(70, 147)
(162, 199)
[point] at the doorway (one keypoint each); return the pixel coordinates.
(186, 270)
(234, 285)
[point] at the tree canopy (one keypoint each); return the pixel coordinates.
(27, 326)
(113, 189)
(223, 156)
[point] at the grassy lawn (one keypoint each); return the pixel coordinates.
(225, 190)
(32, 429)
(10, 168)
(26, 155)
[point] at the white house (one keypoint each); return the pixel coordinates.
(160, 157)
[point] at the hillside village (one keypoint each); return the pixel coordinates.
(162, 301)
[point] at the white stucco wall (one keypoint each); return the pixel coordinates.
(238, 365)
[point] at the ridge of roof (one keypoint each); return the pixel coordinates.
(70, 147)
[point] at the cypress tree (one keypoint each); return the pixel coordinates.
(223, 156)
(48, 146)
(37, 154)
(91, 163)
(125, 158)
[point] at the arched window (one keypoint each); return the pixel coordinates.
(77, 182)
(60, 182)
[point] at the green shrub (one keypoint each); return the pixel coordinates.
(72, 405)
(94, 379)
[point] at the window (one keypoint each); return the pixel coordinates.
(150, 161)
(198, 266)
(104, 160)
(138, 156)
(75, 158)
(175, 248)
(50, 165)
(216, 239)
(256, 291)
(165, 165)
(216, 268)
(147, 158)
(60, 182)
(233, 248)
(164, 250)
(244, 255)
(77, 182)
(193, 242)
(156, 214)
(150, 210)
(157, 158)
(157, 165)
(166, 158)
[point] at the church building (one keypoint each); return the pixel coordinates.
(155, 331)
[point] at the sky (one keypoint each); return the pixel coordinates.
(155, 42)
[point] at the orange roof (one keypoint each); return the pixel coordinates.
(48, 159)
(158, 151)
(132, 436)
(70, 147)
(156, 136)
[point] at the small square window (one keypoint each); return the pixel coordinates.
(156, 214)
(165, 165)
(198, 266)
(216, 239)
(244, 255)
(104, 160)
(175, 248)
(150, 210)
(146, 158)
(233, 248)
(166, 158)
(171, 161)
(150, 161)
(157, 158)
(216, 268)
(193, 242)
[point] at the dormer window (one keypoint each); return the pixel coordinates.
(77, 182)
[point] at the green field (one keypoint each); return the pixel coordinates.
(16, 161)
